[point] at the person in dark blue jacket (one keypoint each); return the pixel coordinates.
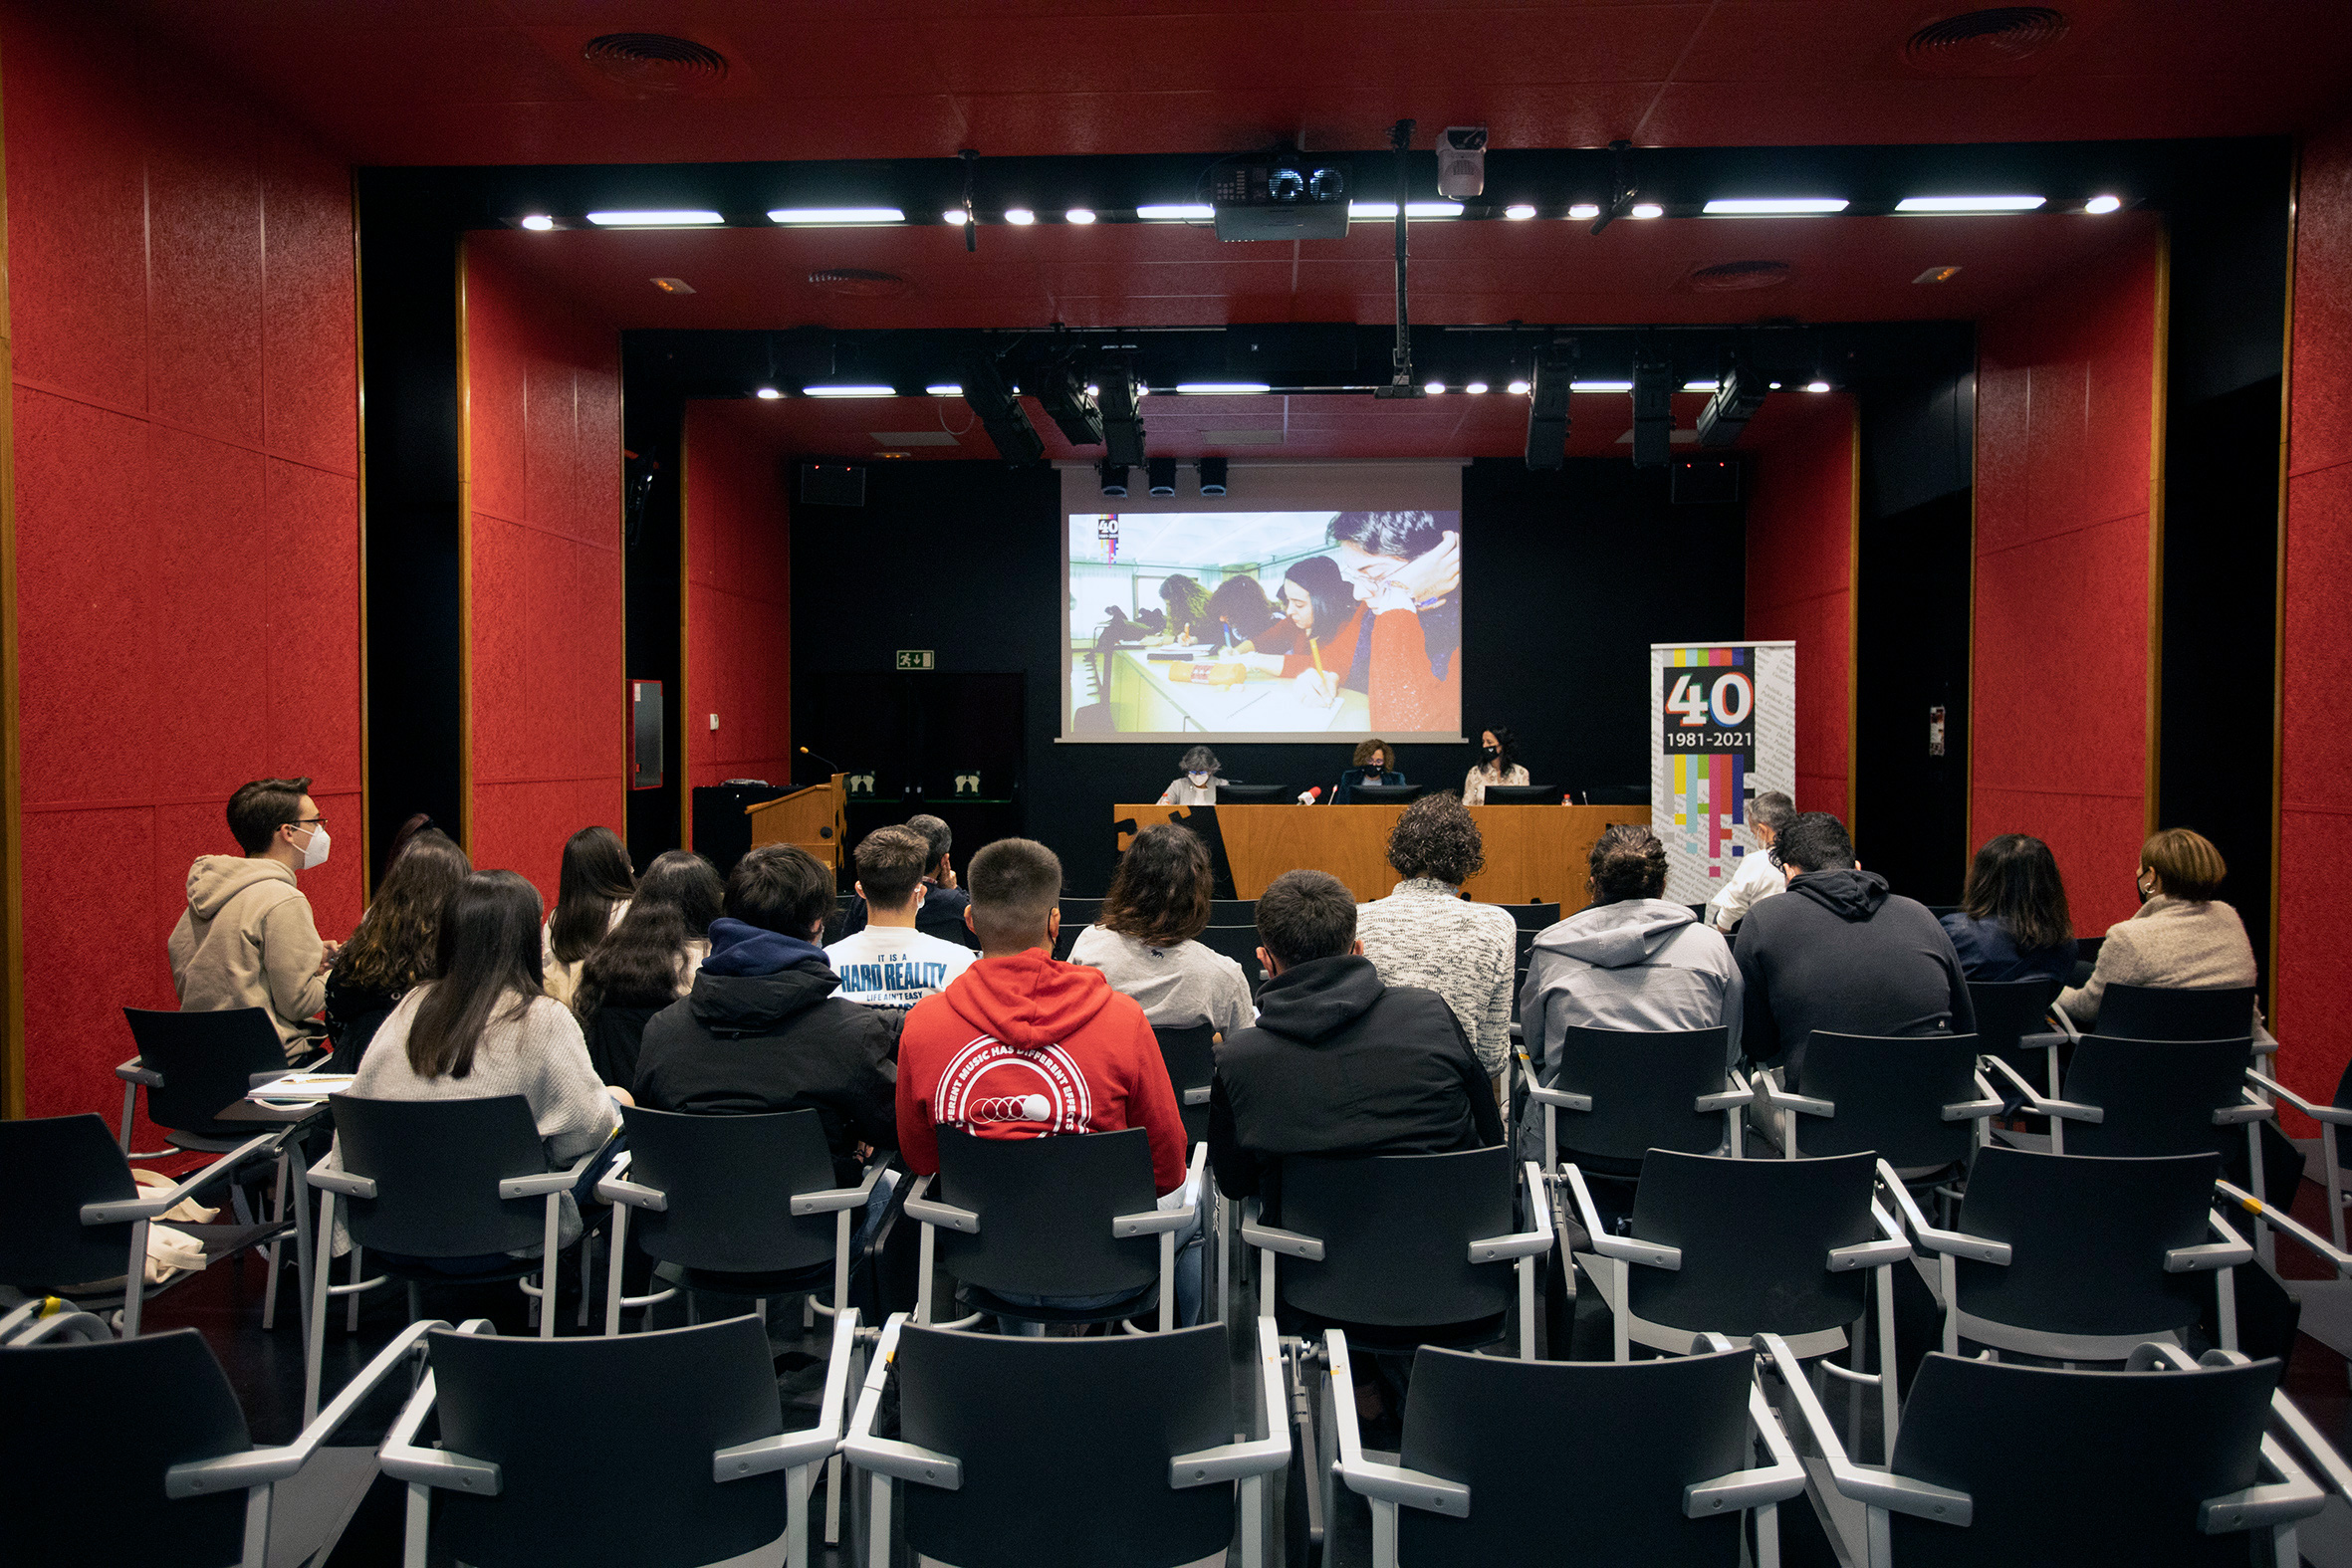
(1375, 763)
(2013, 922)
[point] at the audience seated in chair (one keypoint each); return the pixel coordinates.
(648, 961)
(944, 903)
(1758, 877)
(391, 952)
(247, 939)
(591, 896)
(1339, 1061)
(891, 962)
(1145, 938)
(1839, 951)
(1426, 934)
(2013, 922)
(761, 1029)
(2180, 937)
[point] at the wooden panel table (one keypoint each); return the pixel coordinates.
(1535, 853)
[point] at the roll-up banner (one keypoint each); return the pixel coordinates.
(1723, 730)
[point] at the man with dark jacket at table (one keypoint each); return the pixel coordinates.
(944, 903)
(1339, 1063)
(1840, 953)
(761, 1029)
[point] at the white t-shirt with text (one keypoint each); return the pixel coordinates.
(894, 967)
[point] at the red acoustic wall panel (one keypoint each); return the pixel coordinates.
(2066, 385)
(2313, 990)
(181, 314)
(738, 598)
(1800, 575)
(548, 725)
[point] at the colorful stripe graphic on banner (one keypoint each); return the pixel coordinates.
(1722, 721)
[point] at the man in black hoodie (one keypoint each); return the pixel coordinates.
(761, 1029)
(1842, 953)
(1338, 1063)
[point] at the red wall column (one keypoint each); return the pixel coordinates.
(1800, 575)
(738, 598)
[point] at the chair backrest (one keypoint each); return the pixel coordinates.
(1079, 913)
(91, 1427)
(2006, 1012)
(50, 1166)
(1064, 1444)
(1890, 1096)
(1239, 943)
(1191, 1056)
(2087, 1237)
(1396, 1231)
(2159, 1095)
(729, 1182)
(1605, 1445)
(2168, 1012)
(437, 1164)
(2050, 1456)
(207, 1060)
(1756, 1238)
(1232, 912)
(1643, 1089)
(1046, 1206)
(1533, 917)
(553, 1414)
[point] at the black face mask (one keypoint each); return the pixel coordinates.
(1490, 753)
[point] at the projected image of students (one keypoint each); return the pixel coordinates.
(1314, 642)
(1407, 568)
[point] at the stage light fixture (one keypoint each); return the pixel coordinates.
(1212, 471)
(1433, 388)
(1113, 477)
(765, 393)
(2097, 205)
(1078, 215)
(1070, 405)
(665, 218)
(1520, 211)
(1584, 211)
(1161, 471)
(1518, 388)
(1737, 397)
(1019, 217)
(999, 410)
(1122, 423)
(1647, 210)
(1653, 412)
(1548, 409)
(1475, 387)
(539, 223)
(1772, 206)
(834, 217)
(1968, 204)
(954, 215)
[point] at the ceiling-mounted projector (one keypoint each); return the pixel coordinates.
(1281, 196)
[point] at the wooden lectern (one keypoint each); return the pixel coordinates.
(816, 818)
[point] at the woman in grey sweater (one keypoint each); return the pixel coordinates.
(1425, 934)
(1143, 940)
(2181, 938)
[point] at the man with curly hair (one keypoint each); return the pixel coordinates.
(1426, 934)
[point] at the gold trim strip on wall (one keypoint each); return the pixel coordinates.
(359, 417)
(465, 569)
(12, 835)
(2286, 409)
(2159, 380)
(1853, 616)
(685, 640)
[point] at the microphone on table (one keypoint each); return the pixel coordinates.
(820, 756)
(1311, 795)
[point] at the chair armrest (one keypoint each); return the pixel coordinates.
(2281, 1220)
(2046, 1041)
(788, 1450)
(1783, 1479)
(1156, 1220)
(150, 1206)
(1563, 1099)
(616, 1188)
(2315, 1447)
(2249, 1109)
(2319, 1113)
(832, 1199)
(2226, 1253)
(1259, 1456)
(1875, 1487)
(2066, 1026)
(1269, 1238)
(1385, 1482)
(400, 1457)
(883, 1456)
(1199, 1096)
(1892, 1247)
(1958, 1244)
(1522, 1244)
(1729, 1100)
(1770, 1096)
(136, 1071)
(342, 1182)
(2042, 1104)
(261, 1467)
(931, 1211)
(2294, 1495)
(86, 1327)
(1970, 1110)
(1648, 1253)
(548, 1182)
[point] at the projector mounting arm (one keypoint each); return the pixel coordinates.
(1400, 380)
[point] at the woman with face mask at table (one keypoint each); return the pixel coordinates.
(1497, 765)
(1199, 785)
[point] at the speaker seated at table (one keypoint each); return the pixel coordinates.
(1523, 794)
(1231, 793)
(1385, 795)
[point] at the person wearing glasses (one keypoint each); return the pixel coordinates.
(247, 939)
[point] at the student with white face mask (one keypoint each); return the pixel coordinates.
(1199, 785)
(247, 939)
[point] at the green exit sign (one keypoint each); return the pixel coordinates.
(916, 659)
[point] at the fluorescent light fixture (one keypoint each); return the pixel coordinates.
(539, 223)
(1816, 386)
(1078, 215)
(1969, 203)
(765, 393)
(834, 216)
(666, 218)
(1520, 388)
(1600, 386)
(848, 391)
(1698, 387)
(1772, 206)
(1222, 388)
(944, 389)
(1475, 387)
(2097, 204)
(954, 215)
(1583, 210)
(1019, 216)
(1520, 211)
(1433, 388)
(1361, 211)
(1176, 212)
(1647, 210)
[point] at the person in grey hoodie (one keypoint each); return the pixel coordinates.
(247, 939)
(1630, 960)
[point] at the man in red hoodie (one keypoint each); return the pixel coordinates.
(1022, 1046)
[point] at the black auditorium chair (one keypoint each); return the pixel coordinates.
(611, 1453)
(2331, 1116)
(1077, 915)
(1615, 1094)
(2075, 1257)
(1239, 943)
(1917, 1102)
(1581, 1465)
(118, 1454)
(1190, 1052)
(2013, 1023)
(2162, 1013)
(2001, 1465)
(1073, 1216)
(1533, 917)
(1069, 1453)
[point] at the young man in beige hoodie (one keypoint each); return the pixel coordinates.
(247, 939)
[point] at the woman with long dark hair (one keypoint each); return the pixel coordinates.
(1187, 611)
(1314, 643)
(2013, 922)
(1143, 940)
(392, 948)
(592, 895)
(648, 961)
(1237, 610)
(1497, 763)
(1407, 568)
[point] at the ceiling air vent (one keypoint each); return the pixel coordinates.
(655, 62)
(1984, 42)
(858, 282)
(1730, 277)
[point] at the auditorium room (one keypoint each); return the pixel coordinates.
(1308, 785)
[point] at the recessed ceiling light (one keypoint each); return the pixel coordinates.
(765, 392)
(1476, 387)
(1520, 211)
(2097, 204)
(1600, 386)
(539, 223)
(1584, 209)
(944, 389)
(1938, 275)
(1816, 386)
(1078, 215)
(834, 216)
(1647, 210)
(1518, 388)
(665, 218)
(1175, 212)
(1433, 387)
(1698, 387)
(1367, 211)
(673, 286)
(1019, 216)
(953, 215)
(1776, 386)
(1771, 206)
(1222, 388)
(866, 390)
(1969, 203)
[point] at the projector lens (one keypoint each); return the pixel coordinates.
(1285, 184)
(1329, 184)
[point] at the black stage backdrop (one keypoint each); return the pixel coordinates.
(1569, 576)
